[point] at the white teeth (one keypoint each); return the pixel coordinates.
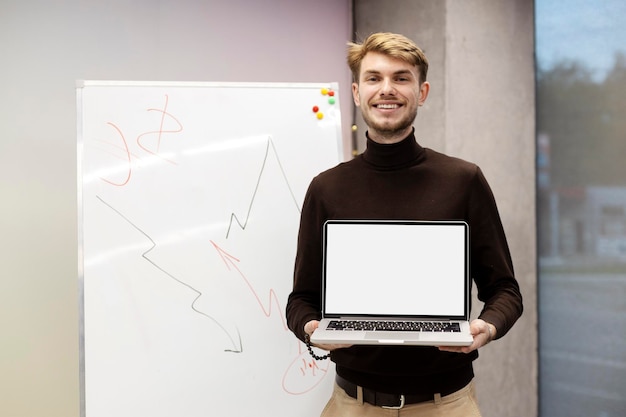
(387, 106)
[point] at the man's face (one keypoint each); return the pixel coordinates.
(389, 94)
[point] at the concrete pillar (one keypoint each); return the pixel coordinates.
(481, 108)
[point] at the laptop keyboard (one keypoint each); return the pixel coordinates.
(399, 326)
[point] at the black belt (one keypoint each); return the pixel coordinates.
(385, 400)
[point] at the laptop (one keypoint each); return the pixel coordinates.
(395, 283)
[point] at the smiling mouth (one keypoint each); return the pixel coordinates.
(387, 106)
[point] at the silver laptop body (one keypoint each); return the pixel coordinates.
(395, 282)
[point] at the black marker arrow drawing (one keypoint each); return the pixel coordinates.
(234, 339)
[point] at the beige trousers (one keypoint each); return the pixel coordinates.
(458, 404)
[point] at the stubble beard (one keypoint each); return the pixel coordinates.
(390, 130)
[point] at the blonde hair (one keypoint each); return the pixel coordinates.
(391, 44)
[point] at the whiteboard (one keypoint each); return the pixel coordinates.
(189, 205)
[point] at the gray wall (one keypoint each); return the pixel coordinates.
(481, 108)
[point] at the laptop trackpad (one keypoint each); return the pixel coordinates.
(391, 336)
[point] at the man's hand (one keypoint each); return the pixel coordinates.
(310, 327)
(483, 333)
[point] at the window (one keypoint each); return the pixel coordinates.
(581, 198)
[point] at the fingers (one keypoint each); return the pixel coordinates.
(482, 334)
(332, 347)
(459, 349)
(310, 326)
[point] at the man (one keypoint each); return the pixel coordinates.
(396, 178)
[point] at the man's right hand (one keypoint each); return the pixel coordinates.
(310, 327)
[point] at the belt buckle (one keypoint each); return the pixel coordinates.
(396, 407)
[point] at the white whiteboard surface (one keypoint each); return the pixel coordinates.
(189, 203)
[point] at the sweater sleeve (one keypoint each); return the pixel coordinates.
(491, 264)
(304, 302)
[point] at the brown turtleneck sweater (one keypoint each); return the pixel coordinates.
(408, 182)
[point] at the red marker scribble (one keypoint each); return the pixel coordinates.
(153, 150)
(304, 373)
(308, 366)
(231, 261)
(127, 158)
(156, 147)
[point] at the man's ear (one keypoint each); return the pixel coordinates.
(424, 89)
(355, 94)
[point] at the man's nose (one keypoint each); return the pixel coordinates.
(387, 87)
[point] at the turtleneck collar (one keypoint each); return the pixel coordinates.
(395, 155)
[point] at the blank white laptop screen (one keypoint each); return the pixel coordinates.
(390, 268)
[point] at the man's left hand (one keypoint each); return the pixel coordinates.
(483, 333)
